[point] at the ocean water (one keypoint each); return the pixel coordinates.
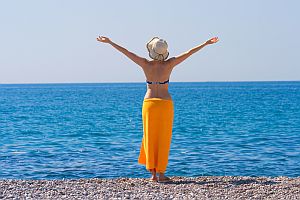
(56, 131)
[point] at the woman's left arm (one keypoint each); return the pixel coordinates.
(135, 58)
(178, 59)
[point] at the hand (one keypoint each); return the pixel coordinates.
(103, 39)
(212, 40)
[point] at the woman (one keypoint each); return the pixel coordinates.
(158, 109)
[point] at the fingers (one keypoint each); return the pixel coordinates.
(212, 40)
(101, 38)
(215, 39)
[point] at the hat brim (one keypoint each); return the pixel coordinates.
(150, 43)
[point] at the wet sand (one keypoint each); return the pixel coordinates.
(204, 187)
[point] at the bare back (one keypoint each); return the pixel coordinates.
(157, 71)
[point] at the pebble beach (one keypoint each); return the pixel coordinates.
(204, 187)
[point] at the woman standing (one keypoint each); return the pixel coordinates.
(158, 108)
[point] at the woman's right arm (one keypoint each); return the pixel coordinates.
(178, 59)
(135, 58)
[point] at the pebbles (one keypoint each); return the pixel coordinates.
(204, 187)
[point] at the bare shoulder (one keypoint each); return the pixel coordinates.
(146, 63)
(170, 62)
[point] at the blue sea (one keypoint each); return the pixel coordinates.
(70, 131)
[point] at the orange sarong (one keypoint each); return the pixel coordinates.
(158, 117)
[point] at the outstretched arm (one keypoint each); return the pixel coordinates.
(135, 58)
(178, 59)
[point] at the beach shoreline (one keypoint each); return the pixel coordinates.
(202, 187)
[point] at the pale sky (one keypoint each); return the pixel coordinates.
(54, 41)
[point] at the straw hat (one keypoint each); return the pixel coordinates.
(158, 49)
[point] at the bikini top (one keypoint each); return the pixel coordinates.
(151, 82)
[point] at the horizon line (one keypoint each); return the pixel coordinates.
(40, 83)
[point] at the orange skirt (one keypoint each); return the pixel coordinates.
(158, 117)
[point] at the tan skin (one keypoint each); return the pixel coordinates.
(157, 71)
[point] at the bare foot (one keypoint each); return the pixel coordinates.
(153, 179)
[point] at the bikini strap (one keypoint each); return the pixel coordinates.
(151, 82)
(167, 81)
